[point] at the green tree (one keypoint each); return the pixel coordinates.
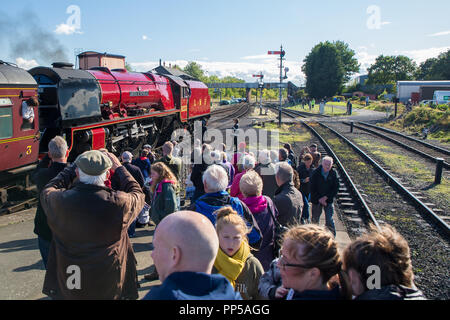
(324, 70)
(441, 69)
(424, 72)
(391, 69)
(195, 70)
(435, 68)
(350, 63)
(129, 67)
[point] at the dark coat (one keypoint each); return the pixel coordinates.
(333, 294)
(197, 175)
(293, 158)
(138, 176)
(143, 163)
(392, 292)
(193, 286)
(267, 227)
(321, 187)
(289, 203)
(267, 173)
(89, 225)
(303, 173)
(134, 171)
(41, 176)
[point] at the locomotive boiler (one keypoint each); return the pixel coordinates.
(115, 109)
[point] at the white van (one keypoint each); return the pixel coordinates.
(441, 97)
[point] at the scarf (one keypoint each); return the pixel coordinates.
(231, 267)
(256, 204)
(159, 186)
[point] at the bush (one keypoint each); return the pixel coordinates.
(427, 116)
(363, 98)
(441, 107)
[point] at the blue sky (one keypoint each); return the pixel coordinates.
(227, 37)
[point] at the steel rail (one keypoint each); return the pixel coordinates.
(429, 145)
(347, 177)
(397, 185)
(446, 165)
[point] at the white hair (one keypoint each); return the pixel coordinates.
(248, 162)
(216, 178)
(264, 156)
(57, 147)
(284, 171)
(216, 156)
(274, 156)
(95, 180)
(328, 158)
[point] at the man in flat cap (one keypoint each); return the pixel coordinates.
(91, 256)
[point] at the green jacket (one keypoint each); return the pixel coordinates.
(164, 202)
(247, 281)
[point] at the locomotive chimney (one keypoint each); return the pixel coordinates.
(63, 65)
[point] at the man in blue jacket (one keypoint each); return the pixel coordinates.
(185, 248)
(215, 181)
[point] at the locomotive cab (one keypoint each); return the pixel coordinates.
(18, 138)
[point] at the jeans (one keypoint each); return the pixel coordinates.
(44, 248)
(132, 229)
(329, 211)
(305, 211)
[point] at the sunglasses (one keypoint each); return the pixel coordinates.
(283, 264)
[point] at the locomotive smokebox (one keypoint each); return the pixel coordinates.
(69, 96)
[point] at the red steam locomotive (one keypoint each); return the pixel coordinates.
(93, 109)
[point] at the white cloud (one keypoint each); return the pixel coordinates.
(26, 64)
(66, 29)
(145, 37)
(423, 54)
(366, 60)
(438, 34)
(385, 23)
(194, 50)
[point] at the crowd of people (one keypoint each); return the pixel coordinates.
(223, 244)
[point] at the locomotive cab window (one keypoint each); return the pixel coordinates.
(186, 92)
(6, 121)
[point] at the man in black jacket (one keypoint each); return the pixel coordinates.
(324, 187)
(48, 168)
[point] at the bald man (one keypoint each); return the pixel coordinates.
(185, 248)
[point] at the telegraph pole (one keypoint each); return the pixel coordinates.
(281, 53)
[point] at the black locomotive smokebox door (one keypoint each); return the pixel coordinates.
(79, 98)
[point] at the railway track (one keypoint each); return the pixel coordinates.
(390, 202)
(426, 150)
(295, 113)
